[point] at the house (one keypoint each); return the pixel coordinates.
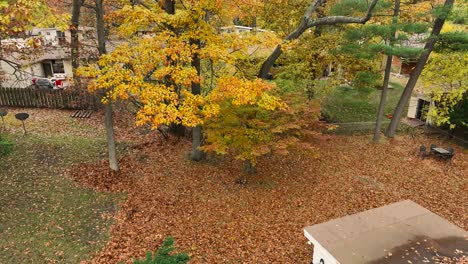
(418, 108)
(19, 68)
(404, 65)
(50, 36)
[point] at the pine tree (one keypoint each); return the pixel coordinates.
(441, 15)
(385, 38)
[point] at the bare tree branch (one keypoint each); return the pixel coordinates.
(308, 22)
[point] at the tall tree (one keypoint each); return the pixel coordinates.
(442, 14)
(97, 6)
(308, 21)
(197, 134)
(110, 135)
(388, 69)
(162, 71)
(74, 28)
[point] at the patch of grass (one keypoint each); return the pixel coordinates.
(44, 216)
(289, 86)
(6, 145)
(347, 105)
(396, 85)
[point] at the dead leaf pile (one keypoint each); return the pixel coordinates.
(216, 220)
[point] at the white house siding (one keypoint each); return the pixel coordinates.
(36, 70)
(9, 78)
(413, 107)
(24, 78)
(68, 68)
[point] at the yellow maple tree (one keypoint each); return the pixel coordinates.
(167, 54)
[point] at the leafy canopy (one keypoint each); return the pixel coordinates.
(157, 69)
(18, 15)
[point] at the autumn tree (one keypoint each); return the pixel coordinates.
(310, 19)
(445, 76)
(441, 15)
(384, 38)
(97, 7)
(388, 69)
(19, 15)
(160, 67)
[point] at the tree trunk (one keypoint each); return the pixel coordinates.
(383, 98)
(74, 42)
(438, 24)
(268, 63)
(197, 135)
(113, 163)
(101, 36)
(100, 29)
(388, 68)
(249, 168)
(169, 6)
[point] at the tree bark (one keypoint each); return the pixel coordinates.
(428, 47)
(306, 23)
(270, 61)
(197, 135)
(110, 136)
(74, 41)
(113, 163)
(383, 98)
(100, 27)
(388, 68)
(169, 6)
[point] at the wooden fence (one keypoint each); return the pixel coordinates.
(47, 98)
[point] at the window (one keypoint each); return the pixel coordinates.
(53, 67)
(57, 67)
(47, 69)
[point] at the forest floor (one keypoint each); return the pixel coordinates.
(215, 219)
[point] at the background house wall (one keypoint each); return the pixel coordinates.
(16, 77)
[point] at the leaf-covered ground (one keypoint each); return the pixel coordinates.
(44, 216)
(217, 220)
(212, 217)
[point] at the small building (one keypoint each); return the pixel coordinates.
(51, 59)
(50, 36)
(402, 232)
(19, 71)
(405, 65)
(418, 108)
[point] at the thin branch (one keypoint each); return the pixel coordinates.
(311, 9)
(333, 20)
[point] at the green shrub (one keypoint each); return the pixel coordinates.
(6, 146)
(163, 255)
(367, 81)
